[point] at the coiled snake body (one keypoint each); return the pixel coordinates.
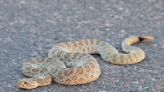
(70, 63)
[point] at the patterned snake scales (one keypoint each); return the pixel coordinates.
(70, 63)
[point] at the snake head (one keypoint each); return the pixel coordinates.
(32, 68)
(27, 84)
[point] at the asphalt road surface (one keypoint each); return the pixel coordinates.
(29, 28)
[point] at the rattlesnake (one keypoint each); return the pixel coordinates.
(70, 63)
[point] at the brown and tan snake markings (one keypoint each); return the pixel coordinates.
(70, 63)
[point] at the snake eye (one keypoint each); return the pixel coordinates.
(25, 82)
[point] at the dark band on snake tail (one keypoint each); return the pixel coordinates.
(141, 39)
